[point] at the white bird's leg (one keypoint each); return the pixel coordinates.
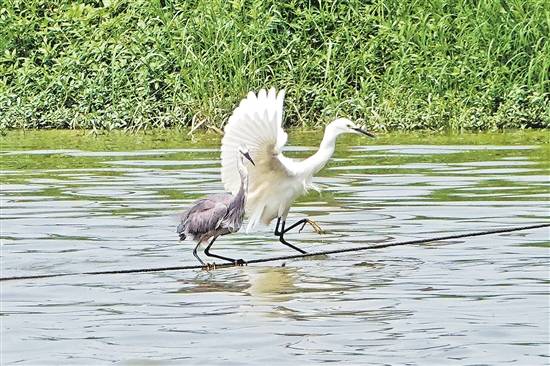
(238, 262)
(280, 234)
(277, 232)
(303, 222)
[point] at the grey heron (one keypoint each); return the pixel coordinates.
(275, 181)
(218, 214)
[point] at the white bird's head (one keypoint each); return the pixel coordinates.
(344, 125)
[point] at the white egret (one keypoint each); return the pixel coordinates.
(275, 181)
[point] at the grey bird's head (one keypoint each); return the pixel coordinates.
(244, 154)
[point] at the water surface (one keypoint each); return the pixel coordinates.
(479, 301)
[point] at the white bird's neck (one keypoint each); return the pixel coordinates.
(318, 160)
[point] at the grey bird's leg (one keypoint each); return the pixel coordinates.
(281, 233)
(195, 253)
(239, 262)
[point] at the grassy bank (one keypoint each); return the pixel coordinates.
(443, 65)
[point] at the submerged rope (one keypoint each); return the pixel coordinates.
(285, 257)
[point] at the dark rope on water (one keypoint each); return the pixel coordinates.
(286, 257)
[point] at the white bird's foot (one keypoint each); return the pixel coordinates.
(314, 225)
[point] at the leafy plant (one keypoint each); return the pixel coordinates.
(121, 64)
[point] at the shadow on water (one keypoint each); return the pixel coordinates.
(479, 300)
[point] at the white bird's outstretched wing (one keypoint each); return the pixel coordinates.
(256, 123)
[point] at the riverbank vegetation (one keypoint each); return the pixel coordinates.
(396, 65)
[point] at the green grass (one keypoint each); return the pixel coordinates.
(396, 65)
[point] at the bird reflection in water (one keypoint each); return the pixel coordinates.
(263, 283)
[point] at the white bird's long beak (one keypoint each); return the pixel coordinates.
(361, 130)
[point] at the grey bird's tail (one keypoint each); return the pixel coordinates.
(181, 231)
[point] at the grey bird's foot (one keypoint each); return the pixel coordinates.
(240, 263)
(209, 267)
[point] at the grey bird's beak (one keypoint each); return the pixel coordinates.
(364, 132)
(247, 155)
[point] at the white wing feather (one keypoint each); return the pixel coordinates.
(256, 123)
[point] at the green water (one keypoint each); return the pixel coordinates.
(73, 202)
